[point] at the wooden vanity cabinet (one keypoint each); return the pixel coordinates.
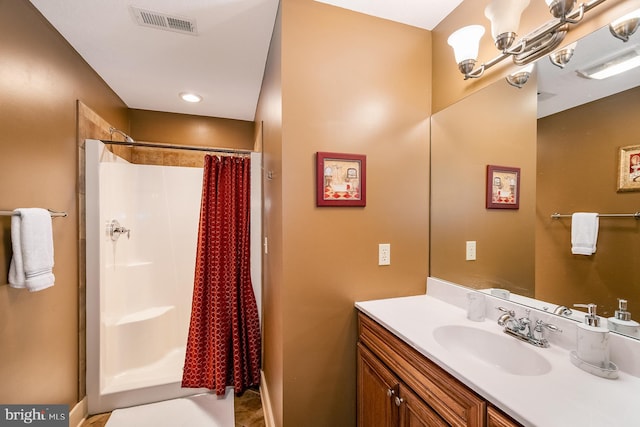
(495, 418)
(399, 387)
(383, 401)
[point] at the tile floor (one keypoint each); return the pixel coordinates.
(248, 412)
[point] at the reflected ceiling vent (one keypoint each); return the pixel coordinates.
(162, 21)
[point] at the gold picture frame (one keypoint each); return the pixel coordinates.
(629, 168)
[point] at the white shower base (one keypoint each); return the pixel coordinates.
(203, 410)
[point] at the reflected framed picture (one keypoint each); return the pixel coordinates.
(629, 168)
(341, 179)
(503, 187)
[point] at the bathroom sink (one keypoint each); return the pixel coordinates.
(494, 349)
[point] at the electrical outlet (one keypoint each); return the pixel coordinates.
(471, 250)
(384, 254)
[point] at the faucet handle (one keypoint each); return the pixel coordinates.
(539, 335)
(549, 326)
(505, 310)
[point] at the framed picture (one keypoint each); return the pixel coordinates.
(340, 179)
(629, 169)
(503, 187)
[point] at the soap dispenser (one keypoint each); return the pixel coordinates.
(592, 352)
(622, 322)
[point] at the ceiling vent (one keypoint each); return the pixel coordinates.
(162, 21)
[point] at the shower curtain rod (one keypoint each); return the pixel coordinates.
(177, 147)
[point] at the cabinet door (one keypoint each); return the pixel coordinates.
(495, 418)
(377, 389)
(458, 405)
(414, 412)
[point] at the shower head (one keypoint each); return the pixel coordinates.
(127, 138)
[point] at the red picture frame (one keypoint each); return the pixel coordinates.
(341, 179)
(503, 187)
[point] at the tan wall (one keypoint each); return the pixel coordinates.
(480, 130)
(451, 85)
(185, 129)
(355, 84)
(269, 114)
(577, 172)
(41, 78)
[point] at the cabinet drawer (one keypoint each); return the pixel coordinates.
(496, 418)
(452, 400)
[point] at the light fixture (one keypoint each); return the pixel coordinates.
(520, 77)
(466, 43)
(561, 57)
(560, 8)
(616, 65)
(505, 17)
(505, 20)
(190, 97)
(625, 26)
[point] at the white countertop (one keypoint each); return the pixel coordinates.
(565, 396)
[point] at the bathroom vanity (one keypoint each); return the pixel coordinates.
(399, 386)
(421, 362)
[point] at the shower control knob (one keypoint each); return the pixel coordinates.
(114, 229)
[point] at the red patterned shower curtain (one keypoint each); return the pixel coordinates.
(223, 347)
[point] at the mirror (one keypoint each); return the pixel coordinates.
(565, 136)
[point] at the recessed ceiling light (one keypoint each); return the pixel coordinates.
(190, 97)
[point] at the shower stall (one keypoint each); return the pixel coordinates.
(141, 234)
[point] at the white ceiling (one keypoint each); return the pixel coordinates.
(418, 13)
(149, 67)
(224, 62)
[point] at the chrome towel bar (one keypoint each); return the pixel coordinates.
(631, 215)
(52, 212)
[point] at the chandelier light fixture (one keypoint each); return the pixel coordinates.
(505, 20)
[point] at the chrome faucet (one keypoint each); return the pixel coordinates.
(561, 310)
(522, 328)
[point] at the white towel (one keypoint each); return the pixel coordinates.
(584, 233)
(32, 242)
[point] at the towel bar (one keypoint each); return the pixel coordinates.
(52, 212)
(633, 215)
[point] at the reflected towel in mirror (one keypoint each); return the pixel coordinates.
(584, 233)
